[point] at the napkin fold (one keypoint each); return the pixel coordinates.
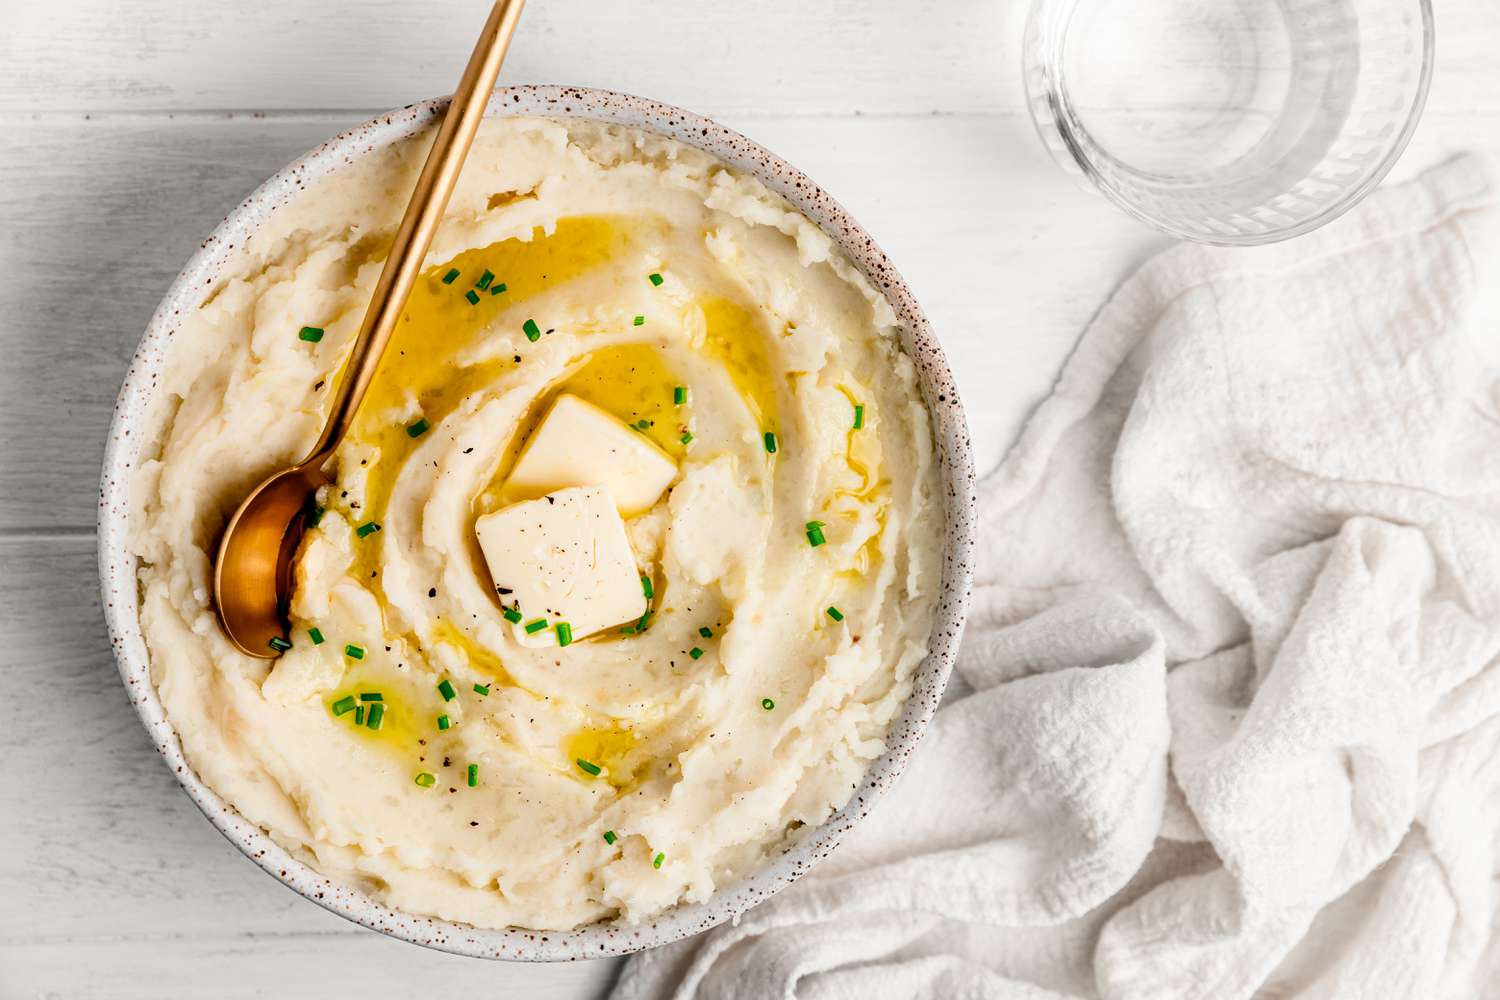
(1234, 727)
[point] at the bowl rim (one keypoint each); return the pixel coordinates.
(118, 568)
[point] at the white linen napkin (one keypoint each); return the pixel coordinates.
(1235, 721)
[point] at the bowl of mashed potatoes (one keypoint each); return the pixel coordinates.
(644, 563)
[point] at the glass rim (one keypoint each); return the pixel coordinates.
(1064, 144)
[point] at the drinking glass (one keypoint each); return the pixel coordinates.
(1228, 121)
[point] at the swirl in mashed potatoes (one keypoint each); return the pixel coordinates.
(711, 319)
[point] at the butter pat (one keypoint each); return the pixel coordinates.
(564, 558)
(579, 444)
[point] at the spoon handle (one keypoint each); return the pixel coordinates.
(423, 213)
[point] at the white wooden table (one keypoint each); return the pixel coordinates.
(130, 129)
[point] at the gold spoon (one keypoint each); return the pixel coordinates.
(253, 569)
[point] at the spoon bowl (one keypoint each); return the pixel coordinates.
(253, 569)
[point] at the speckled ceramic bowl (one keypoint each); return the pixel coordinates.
(117, 567)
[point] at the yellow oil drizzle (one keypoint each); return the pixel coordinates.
(406, 717)
(633, 382)
(737, 340)
(613, 748)
(440, 324)
(629, 381)
(480, 657)
(856, 451)
(872, 489)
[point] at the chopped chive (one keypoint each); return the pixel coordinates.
(533, 627)
(484, 280)
(609, 837)
(368, 528)
(376, 716)
(639, 626)
(444, 722)
(314, 516)
(498, 289)
(564, 634)
(706, 632)
(354, 652)
(481, 689)
(279, 644)
(656, 861)
(815, 536)
(834, 613)
(359, 715)
(311, 334)
(642, 424)
(679, 395)
(687, 438)
(767, 704)
(512, 615)
(646, 587)
(770, 443)
(344, 705)
(814, 524)
(315, 635)
(639, 321)
(445, 688)
(448, 278)
(859, 415)
(588, 767)
(371, 696)
(472, 296)
(532, 331)
(656, 279)
(695, 652)
(417, 429)
(473, 775)
(426, 780)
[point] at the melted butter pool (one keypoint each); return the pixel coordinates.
(613, 748)
(410, 711)
(633, 382)
(736, 338)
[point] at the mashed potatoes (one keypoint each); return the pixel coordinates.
(503, 780)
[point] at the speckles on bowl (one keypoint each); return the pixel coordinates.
(117, 567)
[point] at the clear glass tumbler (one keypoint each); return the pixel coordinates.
(1229, 121)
